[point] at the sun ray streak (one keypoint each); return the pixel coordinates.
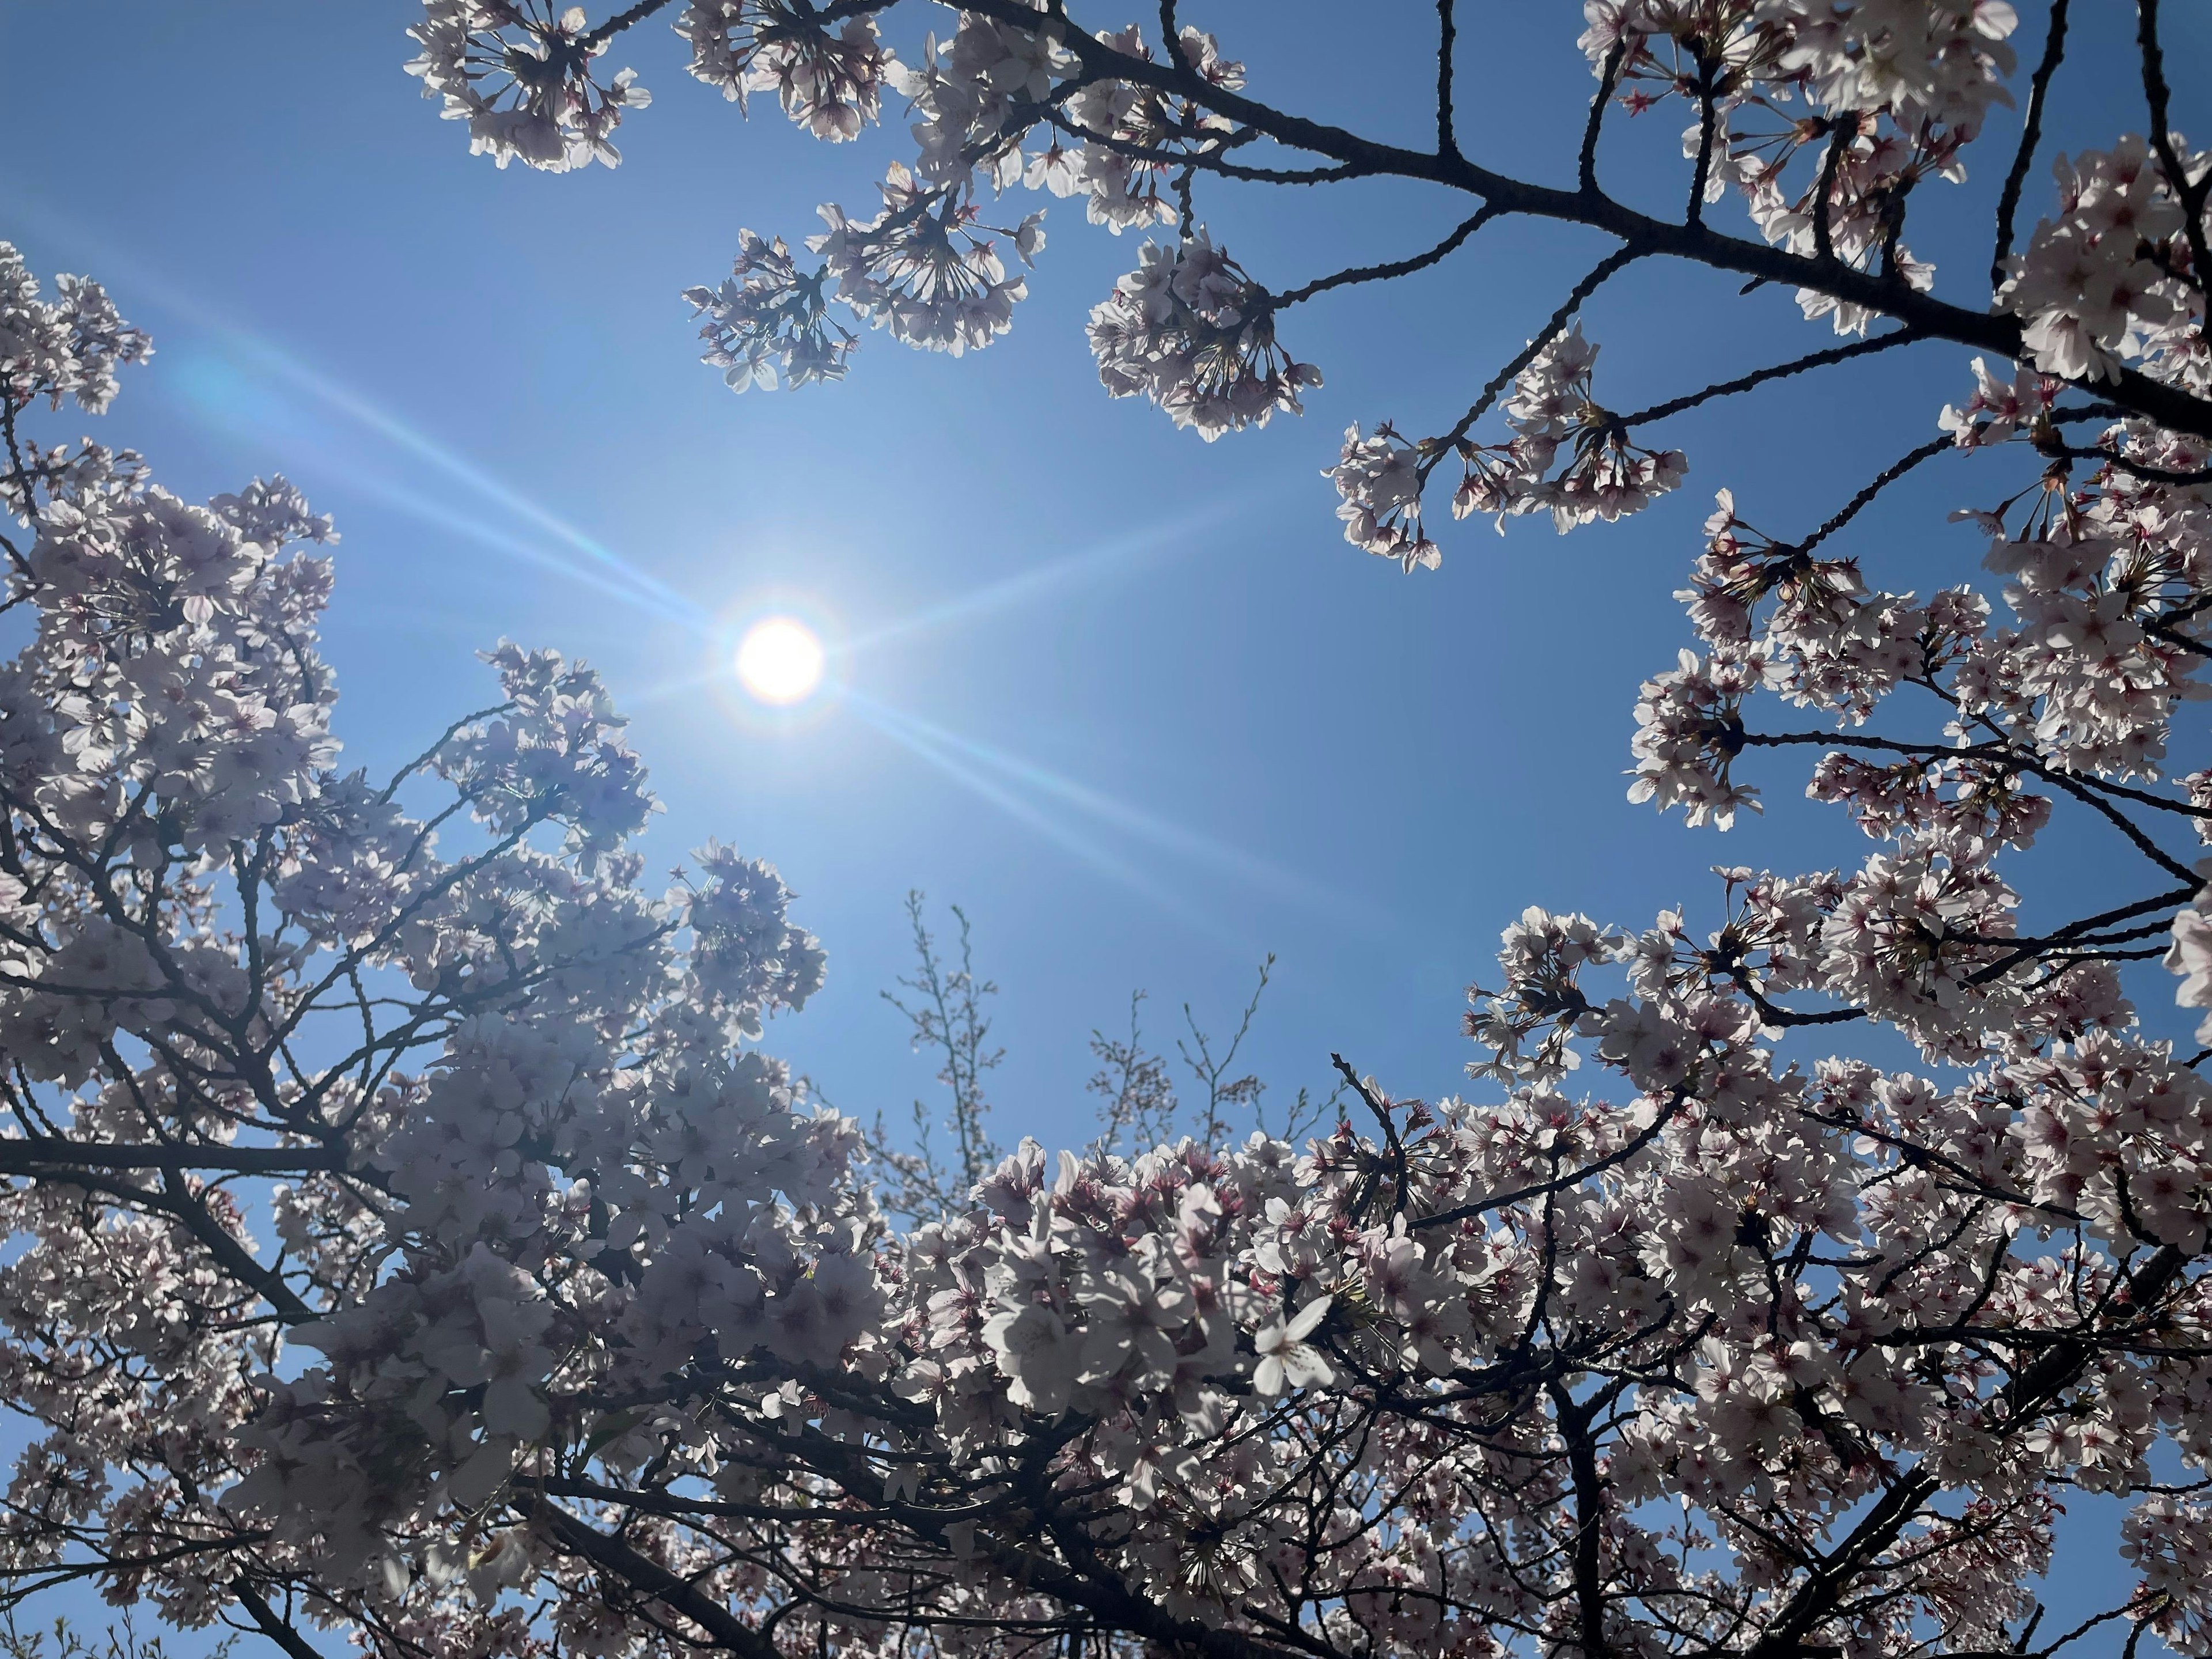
(405, 437)
(250, 351)
(1026, 812)
(1118, 556)
(600, 567)
(1258, 872)
(437, 513)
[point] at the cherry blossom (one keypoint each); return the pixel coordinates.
(413, 1242)
(521, 76)
(2097, 277)
(1549, 406)
(924, 268)
(829, 80)
(770, 319)
(1829, 121)
(1191, 331)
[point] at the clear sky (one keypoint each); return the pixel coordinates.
(1126, 697)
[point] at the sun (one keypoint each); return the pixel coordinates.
(779, 661)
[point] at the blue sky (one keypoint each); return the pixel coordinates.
(1126, 697)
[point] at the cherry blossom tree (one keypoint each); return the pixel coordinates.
(411, 1243)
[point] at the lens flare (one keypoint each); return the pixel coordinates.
(779, 661)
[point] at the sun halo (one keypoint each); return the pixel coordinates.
(779, 661)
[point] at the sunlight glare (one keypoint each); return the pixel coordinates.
(779, 661)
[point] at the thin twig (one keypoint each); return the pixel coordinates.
(621, 20)
(1395, 267)
(1842, 353)
(1380, 1108)
(1586, 168)
(1882, 481)
(1206, 160)
(2031, 135)
(1843, 132)
(1707, 67)
(431, 752)
(1558, 319)
(1447, 45)
(2192, 197)
(1619, 1154)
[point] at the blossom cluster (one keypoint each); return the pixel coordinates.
(1829, 121)
(924, 268)
(1136, 133)
(828, 80)
(768, 319)
(1191, 331)
(2110, 274)
(1824, 118)
(1379, 479)
(68, 347)
(521, 76)
(536, 1070)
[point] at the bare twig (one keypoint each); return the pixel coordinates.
(1608, 78)
(1843, 130)
(1882, 481)
(1842, 353)
(621, 20)
(2031, 135)
(1394, 268)
(1446, 49)
(1708, 71)
(1558, 319)
(2190, 196)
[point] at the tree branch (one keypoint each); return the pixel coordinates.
(1882, 481)
(45, 1157)
(1442, 251)
(1586, 161)
(1447, 48)
(612, 1556)
(1558, 319)
(2169, 406)
(1842, 353)
(2031, 135)
(271, 1624)
(621, 20)
(2190, 197)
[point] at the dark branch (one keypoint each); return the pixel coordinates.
(2170, 406)
(1447, 48)
(48, 1158)
(1882, 481)
(614, 1557)
(1586, 165)
(1842, 353)
(2031, 135)
(1442, 251)
(2192, 197)
(621, 20)
(1708, 70)
(270, 1624)
(1589, 284)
